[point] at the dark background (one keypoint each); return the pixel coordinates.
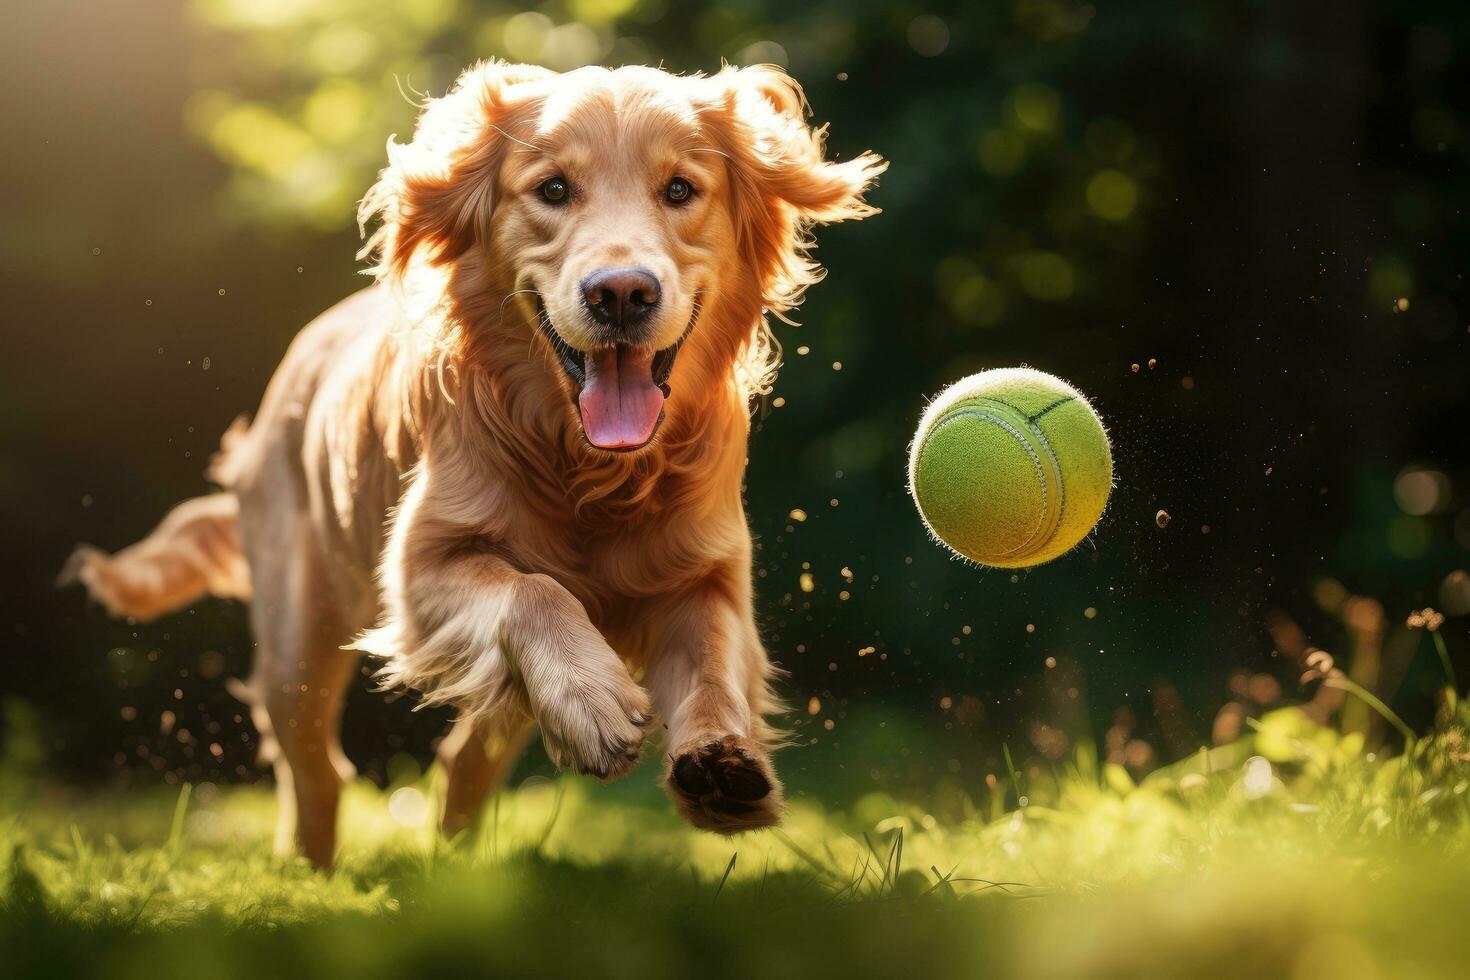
(1236, 225)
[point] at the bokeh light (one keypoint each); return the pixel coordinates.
(928, 35)
(1454, 593)
(408, 806)
(1112, 195)
(1422, 490)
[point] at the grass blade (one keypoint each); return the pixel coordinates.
(1011, 768)
(176, 829)
(782, 836)
(726, 876)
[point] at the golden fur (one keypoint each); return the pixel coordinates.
(417, 483)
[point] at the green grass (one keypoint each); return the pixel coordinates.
(1291, 853)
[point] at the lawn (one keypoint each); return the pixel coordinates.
(1292, 852)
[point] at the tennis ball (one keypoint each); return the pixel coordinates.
(1010, 468)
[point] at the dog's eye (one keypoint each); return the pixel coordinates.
(679, 191)
(555, 190)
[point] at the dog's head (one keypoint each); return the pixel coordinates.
(637, 219)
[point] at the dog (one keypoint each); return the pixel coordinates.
(511, 468)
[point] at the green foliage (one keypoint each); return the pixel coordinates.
(297, 98)
(21, 749)
(1310, 858)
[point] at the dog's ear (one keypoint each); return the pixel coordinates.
(781, 182)
(434, 198)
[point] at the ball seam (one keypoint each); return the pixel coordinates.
(1016, 434)
(1031, 422)
(1028, 546)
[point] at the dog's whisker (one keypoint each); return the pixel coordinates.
(407, 82)
(709, 149)
(515, 139)
(511, 295)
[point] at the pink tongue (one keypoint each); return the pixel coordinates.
(620, 403)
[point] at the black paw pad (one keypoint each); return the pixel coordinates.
(729, 772)
(690, 776)
(740, 780)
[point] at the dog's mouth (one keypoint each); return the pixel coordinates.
(620, 388)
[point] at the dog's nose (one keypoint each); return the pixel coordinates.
(620, 298)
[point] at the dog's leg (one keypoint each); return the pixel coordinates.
(709, 681)
(477, 758)
(195, 551)
(305, 709)
(465, 626)
(297, 693)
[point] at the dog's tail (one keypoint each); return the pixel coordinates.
(194, 552)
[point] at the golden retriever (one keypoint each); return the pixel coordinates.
(511, 469)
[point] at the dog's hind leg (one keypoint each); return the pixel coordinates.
(477, 758)
(194, 552)
(300, 679)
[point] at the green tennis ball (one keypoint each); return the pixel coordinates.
(1010, 468)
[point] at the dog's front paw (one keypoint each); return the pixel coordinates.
(598, 729)
(725, 783)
